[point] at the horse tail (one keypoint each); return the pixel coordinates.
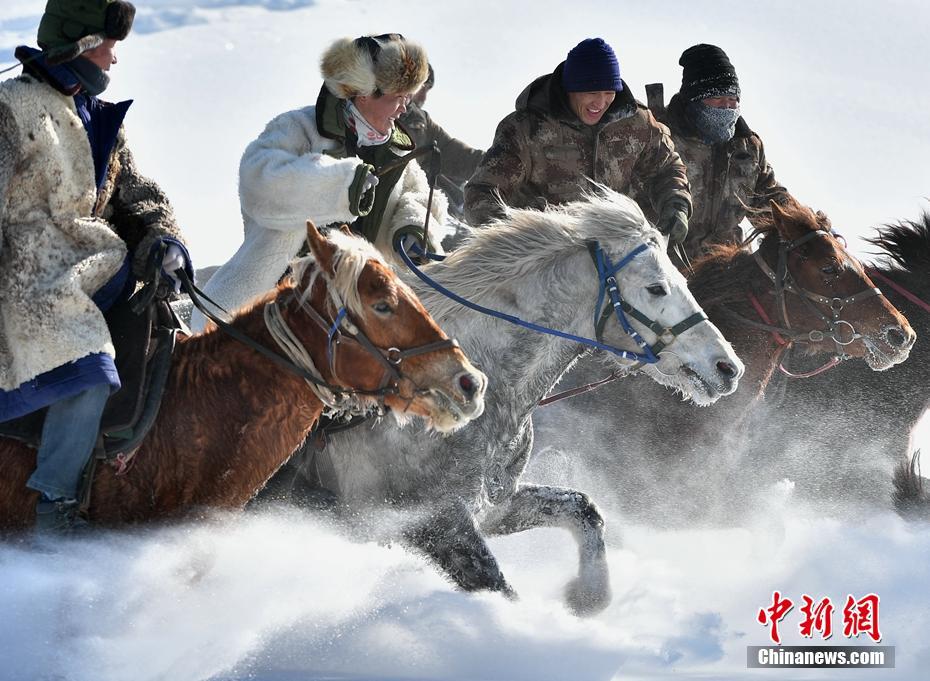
(910, 499)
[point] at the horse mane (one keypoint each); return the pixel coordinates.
(525, 241)
(906, 243)
(352, 253)
(718, 276)
(763, 222)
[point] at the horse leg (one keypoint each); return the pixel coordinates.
(450, 537)
(534, 506)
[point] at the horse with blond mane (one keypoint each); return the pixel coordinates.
(230, 416)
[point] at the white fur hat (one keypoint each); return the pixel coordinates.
(366, 65)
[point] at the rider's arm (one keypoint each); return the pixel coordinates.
(141, 213)
(286, 179)
(459, 161)
(503, 169)
(662, 172)
(409, 213)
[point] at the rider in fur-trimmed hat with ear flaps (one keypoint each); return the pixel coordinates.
(322, 163)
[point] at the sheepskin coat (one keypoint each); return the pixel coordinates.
(301, 168)
(59, 240)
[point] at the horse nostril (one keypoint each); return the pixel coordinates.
(468, 384)
(896, 337)
(727, 369)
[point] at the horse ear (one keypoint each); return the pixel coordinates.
(345, 229)
(322, 248)
(780, 220)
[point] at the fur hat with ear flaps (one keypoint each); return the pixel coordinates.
(374, 65)
(71, 27)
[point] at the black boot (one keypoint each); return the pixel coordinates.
(61, 516)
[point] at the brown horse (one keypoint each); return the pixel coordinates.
(230, 416)
(660, 453)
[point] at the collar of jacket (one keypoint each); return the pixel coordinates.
(678, 122)
(547, 97)
(59, 76)
(331, 123)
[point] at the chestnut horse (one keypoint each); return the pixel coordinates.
(230, 416)
(839, 434)
(665, 455)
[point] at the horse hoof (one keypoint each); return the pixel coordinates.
(584, 599)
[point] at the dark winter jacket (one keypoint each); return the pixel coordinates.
(725, 179)
(459, 160)
(543, 154)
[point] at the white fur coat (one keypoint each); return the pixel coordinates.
(285, 179)
(53, 255)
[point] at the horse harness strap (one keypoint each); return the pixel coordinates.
(665, 335)
(874, 273)
(390, 359)
(782, 282)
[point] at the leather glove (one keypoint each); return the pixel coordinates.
(362, 190)
(174, 260)
(673, 223)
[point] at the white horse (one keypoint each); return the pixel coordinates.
(535, 265)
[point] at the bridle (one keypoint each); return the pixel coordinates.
(340, 330)
(608, 288)
(841, 331)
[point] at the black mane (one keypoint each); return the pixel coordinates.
(906, 243)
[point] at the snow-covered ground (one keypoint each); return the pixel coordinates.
(837, 91)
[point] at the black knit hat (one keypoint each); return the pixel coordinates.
(707, 73)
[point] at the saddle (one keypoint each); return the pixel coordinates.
(143, 329)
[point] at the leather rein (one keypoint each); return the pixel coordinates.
(841, 331)
(340, 330)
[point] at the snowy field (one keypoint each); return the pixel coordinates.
(837, 91)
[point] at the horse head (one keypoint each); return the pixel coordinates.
(380, 339)
(824, 293)
(692, 355)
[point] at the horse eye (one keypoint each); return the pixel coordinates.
(382, 308)
(657, 290)
(829, 270)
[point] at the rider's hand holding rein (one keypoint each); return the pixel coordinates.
(175, 259)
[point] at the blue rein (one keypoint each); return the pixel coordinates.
(605, 272)
(608, 285)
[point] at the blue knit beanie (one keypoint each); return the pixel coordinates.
(591, 66)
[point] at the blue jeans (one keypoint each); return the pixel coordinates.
(68, 439)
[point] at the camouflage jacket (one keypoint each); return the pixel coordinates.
(543, 154)
(725, 179)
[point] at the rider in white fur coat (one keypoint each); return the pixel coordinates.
(319, 163)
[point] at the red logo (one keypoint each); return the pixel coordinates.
(859, 616)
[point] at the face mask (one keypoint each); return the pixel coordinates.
(715, 125)
(92, 77)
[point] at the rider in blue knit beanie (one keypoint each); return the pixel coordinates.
(591, 66)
